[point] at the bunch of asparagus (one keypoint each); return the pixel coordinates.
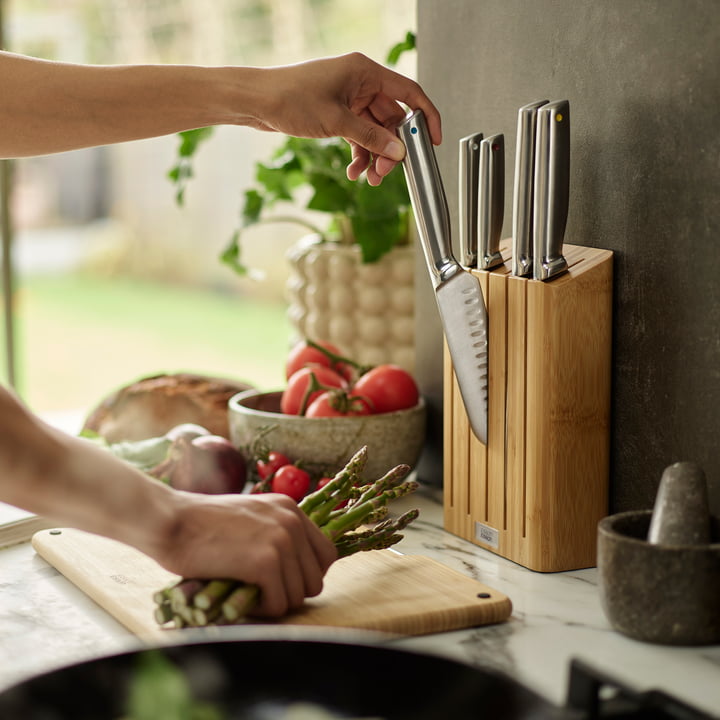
(339, 509)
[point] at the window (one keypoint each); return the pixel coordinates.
(113, 280)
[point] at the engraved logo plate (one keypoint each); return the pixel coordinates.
(486, 534)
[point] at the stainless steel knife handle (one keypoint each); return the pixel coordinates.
(522, 226)
(552, 188)
(491, 201)
(427, 195)
(468, 168)
(458, 293)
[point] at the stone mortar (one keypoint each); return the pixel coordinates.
(665, 594)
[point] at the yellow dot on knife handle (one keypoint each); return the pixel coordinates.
(559, 117)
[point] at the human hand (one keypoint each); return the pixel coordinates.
(264, 540)
(348, 96)
(261, 539)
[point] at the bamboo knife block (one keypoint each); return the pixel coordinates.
(536, 492)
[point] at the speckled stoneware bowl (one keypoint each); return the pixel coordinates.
(326, 444)
(666, 594)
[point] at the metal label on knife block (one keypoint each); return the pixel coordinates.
(535, 493)
(487, 535)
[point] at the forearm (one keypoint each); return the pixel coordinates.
(48, 107)
(78, 484)
(265, 540)
(51, 107)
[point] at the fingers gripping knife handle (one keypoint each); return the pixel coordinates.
(458, 294)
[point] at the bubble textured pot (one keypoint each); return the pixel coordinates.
(665, 594)
(326, 444)
(366, 309)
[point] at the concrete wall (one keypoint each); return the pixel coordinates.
(643, 81)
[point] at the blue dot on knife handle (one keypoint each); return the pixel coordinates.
(413, 130)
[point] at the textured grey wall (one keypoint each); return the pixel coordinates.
(643, 81)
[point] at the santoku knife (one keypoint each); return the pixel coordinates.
(491, 201)
(552, 188)
(457, 291)
(522, 225)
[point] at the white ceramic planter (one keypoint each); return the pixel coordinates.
(366, 309)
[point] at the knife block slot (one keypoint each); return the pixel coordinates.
(535, 493)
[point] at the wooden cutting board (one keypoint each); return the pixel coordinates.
(379, 590)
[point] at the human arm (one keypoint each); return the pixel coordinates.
(53, 107)
(260, 539)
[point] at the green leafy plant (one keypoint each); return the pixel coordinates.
(376, 219)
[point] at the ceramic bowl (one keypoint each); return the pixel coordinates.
(326, 444)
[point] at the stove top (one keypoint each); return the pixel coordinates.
(594, 695)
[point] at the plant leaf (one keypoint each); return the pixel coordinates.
(396, 51)
(182, 171)
(384, 201)
(191, 139)
(376, 237)
(330, 196)
(379, 218)
(230, 256)
(252, 207)
(274, 180)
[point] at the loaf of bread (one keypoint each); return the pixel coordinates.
(151, 406)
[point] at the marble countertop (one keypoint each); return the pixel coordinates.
(46, 622)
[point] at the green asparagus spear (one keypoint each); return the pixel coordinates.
(342, 481)
(194, 603)
(213, 594)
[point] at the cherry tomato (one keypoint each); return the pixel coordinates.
(291, 480)
(303, 355)
(337, 404)
(267, 468)
(388, 388)
(293, 395)
(322, 482)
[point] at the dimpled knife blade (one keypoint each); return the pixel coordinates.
(458, 293)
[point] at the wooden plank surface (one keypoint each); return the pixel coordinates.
(379, 590)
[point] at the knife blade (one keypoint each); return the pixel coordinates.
(468, 167)
(491, 201)
(522, 224)
(552, 189)
(458, 294)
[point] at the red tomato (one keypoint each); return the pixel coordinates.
(291, 480)
(303, 355)
(337, 404)
(297, 387)
(267, 468)
(388, 388)
(322, 482)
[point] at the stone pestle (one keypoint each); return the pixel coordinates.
(681, 515)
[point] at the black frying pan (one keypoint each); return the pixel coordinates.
(250, 669)
(239, 676)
